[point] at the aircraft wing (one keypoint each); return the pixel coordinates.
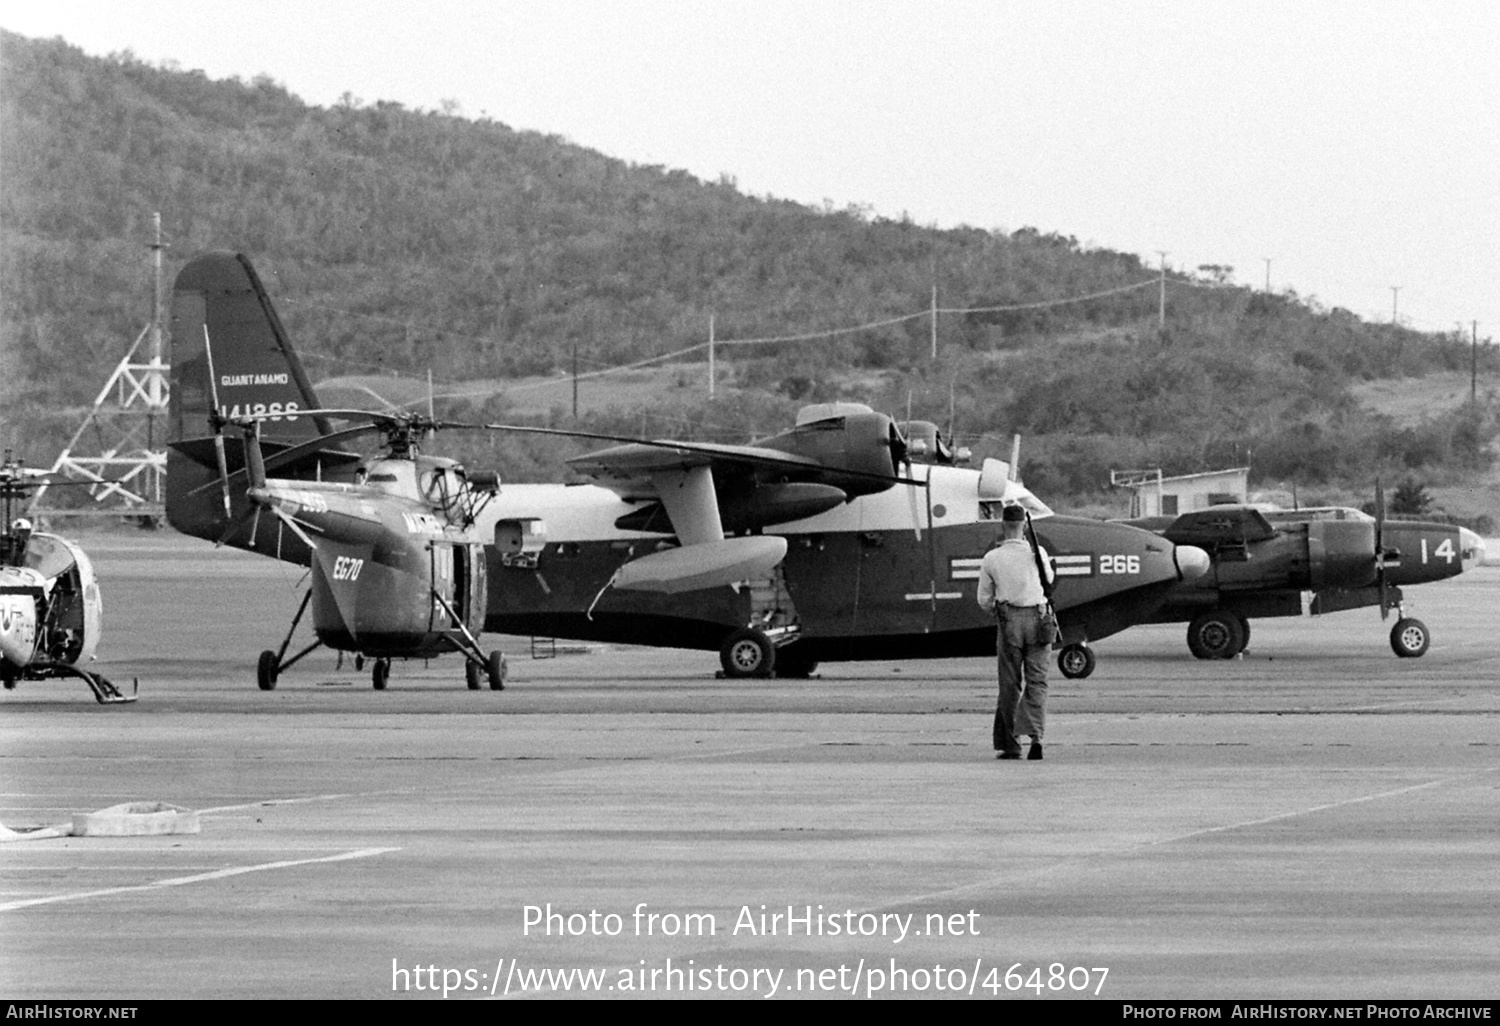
(1208, 528)
(700, 490)
(631, 462)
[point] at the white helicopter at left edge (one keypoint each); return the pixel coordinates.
(51, 614)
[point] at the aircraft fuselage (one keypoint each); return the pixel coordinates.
(887, 575)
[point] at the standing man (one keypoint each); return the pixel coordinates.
(1011, 586)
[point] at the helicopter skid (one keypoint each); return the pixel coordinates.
(105, 691)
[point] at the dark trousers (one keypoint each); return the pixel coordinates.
(1022, 659)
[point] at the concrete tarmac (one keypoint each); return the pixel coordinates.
(1316, 819)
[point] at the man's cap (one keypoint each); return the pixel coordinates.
(1013, 514)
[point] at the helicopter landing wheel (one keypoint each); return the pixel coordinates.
(496, 670)
(267, 670)
(380, 673)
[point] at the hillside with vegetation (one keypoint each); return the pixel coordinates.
(399, 242)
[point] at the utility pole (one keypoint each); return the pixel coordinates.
(575, 379)
(1474, 364)
(1161, 309)
(1268, 274)
(1395, 289)
(710, 356)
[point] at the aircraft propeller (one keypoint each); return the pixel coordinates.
(1380, 553)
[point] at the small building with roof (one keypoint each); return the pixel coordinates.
(1154, 495)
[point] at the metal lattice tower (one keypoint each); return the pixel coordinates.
(126, 424)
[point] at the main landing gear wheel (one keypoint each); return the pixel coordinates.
(1076, 661)
(267, 670)
(1216, 635)
(380, 673)
(471, 674)
(747, 653)
(1409, 638)
(496, 670)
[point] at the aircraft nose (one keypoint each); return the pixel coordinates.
(1192, 562)
(1472, 549)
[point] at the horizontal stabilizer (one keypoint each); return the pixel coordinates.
(709, 565)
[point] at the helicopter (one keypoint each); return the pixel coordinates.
(51, 613)
(397, 571)
(395, 553)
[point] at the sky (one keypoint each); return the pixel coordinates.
(1348, 150)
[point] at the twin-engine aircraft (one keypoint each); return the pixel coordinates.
(51, 613)
(869, 573)
(1264, 561)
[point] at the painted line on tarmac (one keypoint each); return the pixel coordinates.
(280, 801)
(220, 874)
(1397, 792)
(1134, 849)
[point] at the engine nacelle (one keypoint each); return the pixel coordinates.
(1340, 554)
(868, 444)
(925, 444)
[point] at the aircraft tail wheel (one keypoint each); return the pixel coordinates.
(496, 670)
(1409, 638)
(471, 674)
(747, 653)
(1216, 635)
(267, 670)
(1076, 661)
(380, 673)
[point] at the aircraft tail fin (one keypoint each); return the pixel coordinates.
(231, 357)
(223, 324)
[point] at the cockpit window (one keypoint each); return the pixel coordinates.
(989, 509)
(47, 556)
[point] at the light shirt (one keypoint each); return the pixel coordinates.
(1008, 574)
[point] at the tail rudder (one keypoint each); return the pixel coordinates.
(222, 320)
(230, 350)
